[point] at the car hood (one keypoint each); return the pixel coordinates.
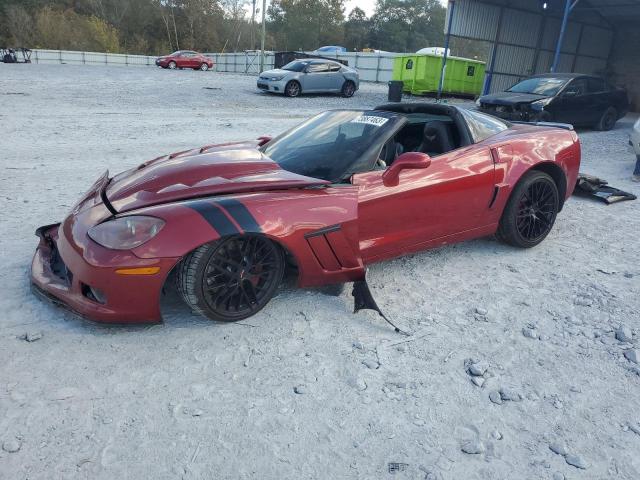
(276, 71)
(215, 170)
(510, 98)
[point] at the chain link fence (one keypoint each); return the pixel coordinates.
(372, 67)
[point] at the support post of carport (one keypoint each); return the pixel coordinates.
(488, 77)
(451, 7)
(568, 6)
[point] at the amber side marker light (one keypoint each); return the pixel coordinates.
(138, 271)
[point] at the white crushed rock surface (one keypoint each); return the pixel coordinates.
(306, 389)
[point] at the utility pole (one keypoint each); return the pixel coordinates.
(264, 33)
(253, 26)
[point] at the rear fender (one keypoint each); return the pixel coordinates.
(548, 149)
(316, 226)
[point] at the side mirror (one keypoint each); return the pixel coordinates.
(406, 161)
(570, 93)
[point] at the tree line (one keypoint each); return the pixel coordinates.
(159, 26)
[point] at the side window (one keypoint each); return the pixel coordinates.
(334, 67)
(576, 87)
(317, 68)
(483, 126)
(596, 85)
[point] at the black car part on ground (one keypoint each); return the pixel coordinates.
(594, 187)
(282, 58)
(363, 300)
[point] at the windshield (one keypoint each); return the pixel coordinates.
(547, 86)
(295, 66)
(333, 145)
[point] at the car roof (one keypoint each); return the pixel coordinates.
(322, 60)
(563, 75)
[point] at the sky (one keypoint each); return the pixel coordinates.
(367, 5)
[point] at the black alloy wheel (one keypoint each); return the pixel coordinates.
(233, 278)
(531, 211)
(348, 89)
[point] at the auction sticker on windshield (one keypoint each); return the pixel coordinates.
(370, 120)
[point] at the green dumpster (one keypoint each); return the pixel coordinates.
(421, 74)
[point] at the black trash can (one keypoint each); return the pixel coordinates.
(395, 91)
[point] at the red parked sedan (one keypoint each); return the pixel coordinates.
(185, 59)
(341, 191)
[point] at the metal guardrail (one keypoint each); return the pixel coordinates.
(373, 67)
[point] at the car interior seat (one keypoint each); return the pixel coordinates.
(436, 139)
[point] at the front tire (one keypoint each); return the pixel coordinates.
(348, 89)
(172, 65)
(608, 120)
(232, 278)
(204, 67)
(531, 211)
(292, 89)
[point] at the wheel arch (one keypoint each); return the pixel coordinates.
(287, 252)
(557, 174)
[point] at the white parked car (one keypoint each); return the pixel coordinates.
(634, 141)
(309, 75)
(634, 138)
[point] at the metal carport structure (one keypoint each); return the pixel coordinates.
(534, 36)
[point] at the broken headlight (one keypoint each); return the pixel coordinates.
(126, 233)
(539, 105)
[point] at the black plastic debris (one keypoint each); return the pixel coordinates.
(594, 187)
(363, 300)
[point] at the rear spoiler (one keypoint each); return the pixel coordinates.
(564, 126)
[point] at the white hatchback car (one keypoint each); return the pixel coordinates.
(310, 76)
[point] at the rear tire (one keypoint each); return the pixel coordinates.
(232, 278)
(292, 89)
(608, 120)
(530, 212)
(348, 89)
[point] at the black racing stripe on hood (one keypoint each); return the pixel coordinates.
(214, 215)
(240, 214)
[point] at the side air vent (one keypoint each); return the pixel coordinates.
(331, 248)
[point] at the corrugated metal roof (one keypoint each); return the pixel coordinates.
(612, 10)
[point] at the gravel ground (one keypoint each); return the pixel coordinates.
(516, 369)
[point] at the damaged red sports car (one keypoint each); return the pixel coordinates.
(342, 190)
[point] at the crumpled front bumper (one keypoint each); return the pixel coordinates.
(511, 113)
(61, 273)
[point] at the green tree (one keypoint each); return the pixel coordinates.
(306, 24)
(357, 30)
(408, 25)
